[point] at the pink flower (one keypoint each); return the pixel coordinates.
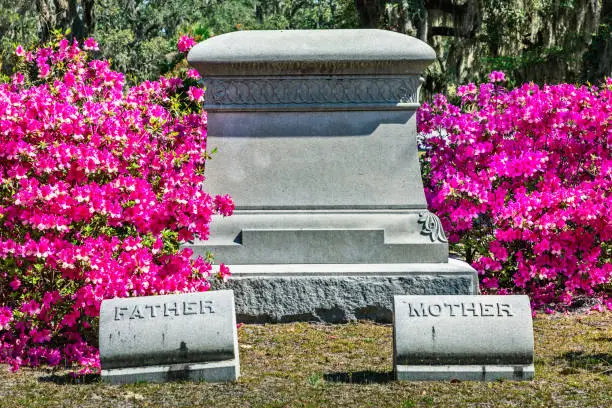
(192, 73)
(32, 307)
(507, 176)
(90, 44)
(63, 45)
(14, 364)
(43, 70)
(19, 51)
(490, 283)
(69, 79)
(185, 43)
(40, 336)
(196, 94)
(17, 79)
(15, 283)
(224, 205)
(53, 357)
(71, 318)
(224, 272)
(6, 316)
(497, 76)
(158, 245)
(95, 171)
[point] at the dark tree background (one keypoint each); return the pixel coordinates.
(531, 40)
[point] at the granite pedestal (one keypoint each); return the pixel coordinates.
(316, 139)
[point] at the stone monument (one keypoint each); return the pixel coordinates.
(482, 338)
(316, 140)
(189, 336)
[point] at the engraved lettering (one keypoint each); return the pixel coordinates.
(420, 311)
(487, 309)
(434, 310)
(119, 312)
(153, 307)
(171, 307)
(136, 313)
(465, 309)
(190, 308)
(206, 304)
(504, 307)
(451, 307)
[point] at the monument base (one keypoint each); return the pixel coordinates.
(218, 371)
(464, 372)
(339, 293)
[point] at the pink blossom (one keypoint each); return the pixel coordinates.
(15, 283)
(53, 357)
(521, 177)
(185, 43)
(192, 73)
(224, 204)
(19, 51)
(17, 79)
(43, 70)
(32, 307)
(40, 336)
(196, 94)
(6, 316)
(90, 44)
(102, 177)
(224, 273)
(497, 76)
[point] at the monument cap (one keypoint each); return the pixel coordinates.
(311, 52)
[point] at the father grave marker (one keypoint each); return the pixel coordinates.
(188, 336)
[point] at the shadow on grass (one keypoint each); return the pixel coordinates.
(360, 377)
(68, 379)
(596, 363)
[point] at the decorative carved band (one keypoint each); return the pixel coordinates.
(291, 92)
(432, 226)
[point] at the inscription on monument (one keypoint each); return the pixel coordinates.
(458, 309)
(149, 311)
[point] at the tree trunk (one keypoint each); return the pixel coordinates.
(78, 15)
(370, 12)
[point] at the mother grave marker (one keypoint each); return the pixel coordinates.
(463, 337)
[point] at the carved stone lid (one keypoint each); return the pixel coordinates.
(311, 52)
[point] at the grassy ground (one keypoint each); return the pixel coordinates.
(304, 365)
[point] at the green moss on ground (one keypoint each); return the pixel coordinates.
(305, 365)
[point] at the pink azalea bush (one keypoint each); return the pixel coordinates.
(522, 181)
(98, 186)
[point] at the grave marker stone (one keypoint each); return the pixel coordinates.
(463, 337)
(316, 138)
(188, 336)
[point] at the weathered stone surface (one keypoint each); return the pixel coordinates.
(311, 52)
(338, 293)
(463, 337)
(321, 164)
(171, 337)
